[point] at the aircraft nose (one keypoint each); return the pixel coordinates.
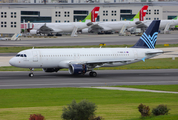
(12, 62)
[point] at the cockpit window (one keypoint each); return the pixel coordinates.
(17, 55)
(21, 55)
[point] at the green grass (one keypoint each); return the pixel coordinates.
(112, 104)
(161, 117)
(153, 87)
(164, 63)
(18, 49)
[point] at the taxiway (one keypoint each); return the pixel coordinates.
(10, 80)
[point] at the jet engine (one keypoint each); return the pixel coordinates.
(50, 69)
(85, 30)
(33, 32)
(77, 69)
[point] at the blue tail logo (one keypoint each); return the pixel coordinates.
(149, 37)
(149, 41)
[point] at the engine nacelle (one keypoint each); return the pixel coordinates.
(77, 69)
(34, 32)
(50, 69)
(85, 30)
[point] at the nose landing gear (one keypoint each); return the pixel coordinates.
(31, 72)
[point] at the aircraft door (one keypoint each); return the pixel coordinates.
(135, 54)
(35, 56)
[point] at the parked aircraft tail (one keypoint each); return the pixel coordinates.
(92, 16)
(149, 37)
(141, 14)
(176, 18)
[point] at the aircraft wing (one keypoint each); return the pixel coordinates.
(140, 24)
(97, 27)
(152, 53)
(101, 62)
(45, 28)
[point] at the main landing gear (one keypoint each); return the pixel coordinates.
(93, 74)
(31, 72)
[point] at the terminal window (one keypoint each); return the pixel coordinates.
(156, 11)
(66, 14)
(126, 11)
(105, 13)
(58, 14)
(80, 12)
(3, 15)
(35, 19)
(149, 12)
(171, 17)
(3, 24)
(13, 24)
(30, 13)
(113, 13)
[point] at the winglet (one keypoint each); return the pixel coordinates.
(92, 16)
(149, 37)
(141, 14)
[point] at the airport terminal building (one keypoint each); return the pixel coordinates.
(13, 14)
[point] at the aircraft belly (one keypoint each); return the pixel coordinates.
(49, 63)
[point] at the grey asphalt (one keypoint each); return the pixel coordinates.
(87, 39)
(10, 80)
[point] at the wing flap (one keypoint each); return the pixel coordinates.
(152, 53)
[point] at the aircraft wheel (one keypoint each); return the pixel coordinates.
(31, 74)
(93, 74)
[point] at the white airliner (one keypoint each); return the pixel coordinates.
(49, 28)
(163, 23)
(82, 60)
(109, 26)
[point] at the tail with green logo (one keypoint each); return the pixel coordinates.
(176, 18)
(92, 16)
(141, 14)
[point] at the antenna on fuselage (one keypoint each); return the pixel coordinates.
(33, 48)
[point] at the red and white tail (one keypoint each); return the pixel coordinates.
(94, 14)
(143, 12)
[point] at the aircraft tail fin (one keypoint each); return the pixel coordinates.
(141, 14)
(149, 37)
(92, 16)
